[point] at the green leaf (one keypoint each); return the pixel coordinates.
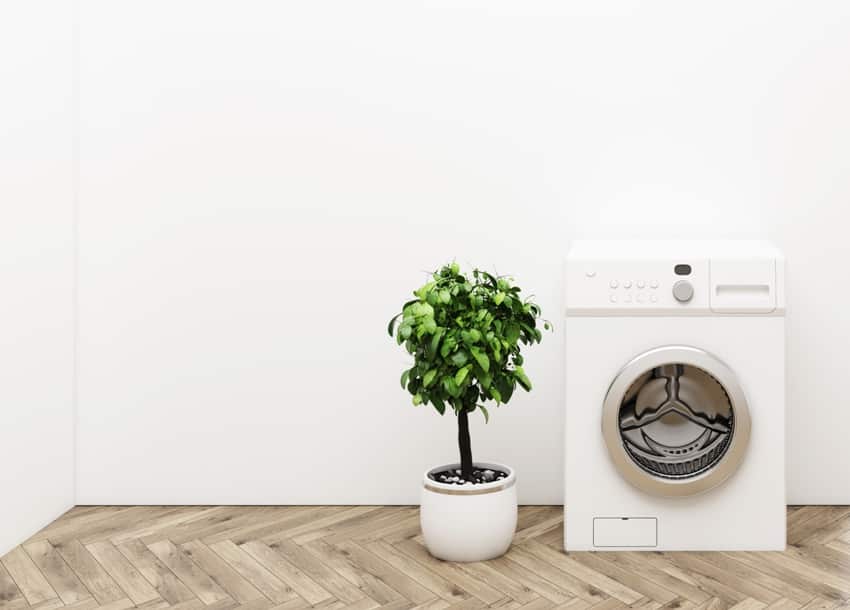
(429, 325)
(422, 293)
(484, 379)
(512, 331)
(486, 414)
(500, 296)
(522, 378)
(455, 268)
(435, 340)
(450, 386)
(481, 358)
(405, 330)
(462, 373)
(459, 358)
(404, 377)
(445, 296)
(497, 396)
(392, 324)
(448, 345)
(438, 404)
(428, 378)
(417, 399)
(471, 336)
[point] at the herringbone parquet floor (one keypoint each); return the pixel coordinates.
(368, 557)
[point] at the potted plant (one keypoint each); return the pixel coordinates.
(465, 335)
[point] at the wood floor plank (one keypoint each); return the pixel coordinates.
(199, 582)
(763, 562)
(553, 574)
(530, 579)
(186, 529)
(785, 604)
(342, 563)
(104, 530)
(236, 518)
(364, 557)
(75, 522)
(131, 581)
(324, 576)
(166, 583)
(255, 573)
(276, 522)
(406, 526)
(28, 577)
(512, 589)
(714, 588)
(59, 575)
(429, 579)
(149, 528)
(569, 565)
(9, 591)
(749, 604)
(821, 604)
(314, 525)
(361, 526)
(98, 582)
(694, 563)
(118, 604)
(601, 563)
(729, 563)
(300, 582)
(452, 572)
(221, 572)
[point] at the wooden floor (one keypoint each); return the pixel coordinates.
(369, 557)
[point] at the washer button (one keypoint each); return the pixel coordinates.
(613, 298)
(590, 273)
(640, 284)
(613, 284)
(683, 291)
(653, 284)
(627, 284)
(653, 298)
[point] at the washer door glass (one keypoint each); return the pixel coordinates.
(676, 421)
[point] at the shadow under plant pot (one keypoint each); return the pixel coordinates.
(468, 522)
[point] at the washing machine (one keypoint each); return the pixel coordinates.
(675, 396)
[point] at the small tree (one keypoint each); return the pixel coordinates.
(465, 337)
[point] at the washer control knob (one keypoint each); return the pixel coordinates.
(683, 291)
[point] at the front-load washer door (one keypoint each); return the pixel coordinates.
(676, 421)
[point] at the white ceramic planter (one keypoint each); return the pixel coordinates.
(468, 522)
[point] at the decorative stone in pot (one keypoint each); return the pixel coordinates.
(469, 521)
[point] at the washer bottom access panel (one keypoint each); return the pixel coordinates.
(625, 532)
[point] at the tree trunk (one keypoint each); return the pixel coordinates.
(464, 444)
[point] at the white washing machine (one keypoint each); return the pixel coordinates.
(675, 396)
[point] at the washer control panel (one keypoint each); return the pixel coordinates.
(640, 286)
(628, 277)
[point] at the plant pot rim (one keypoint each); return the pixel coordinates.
(472, 489)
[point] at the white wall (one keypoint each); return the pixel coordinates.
(262, 183)
(36, 267)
